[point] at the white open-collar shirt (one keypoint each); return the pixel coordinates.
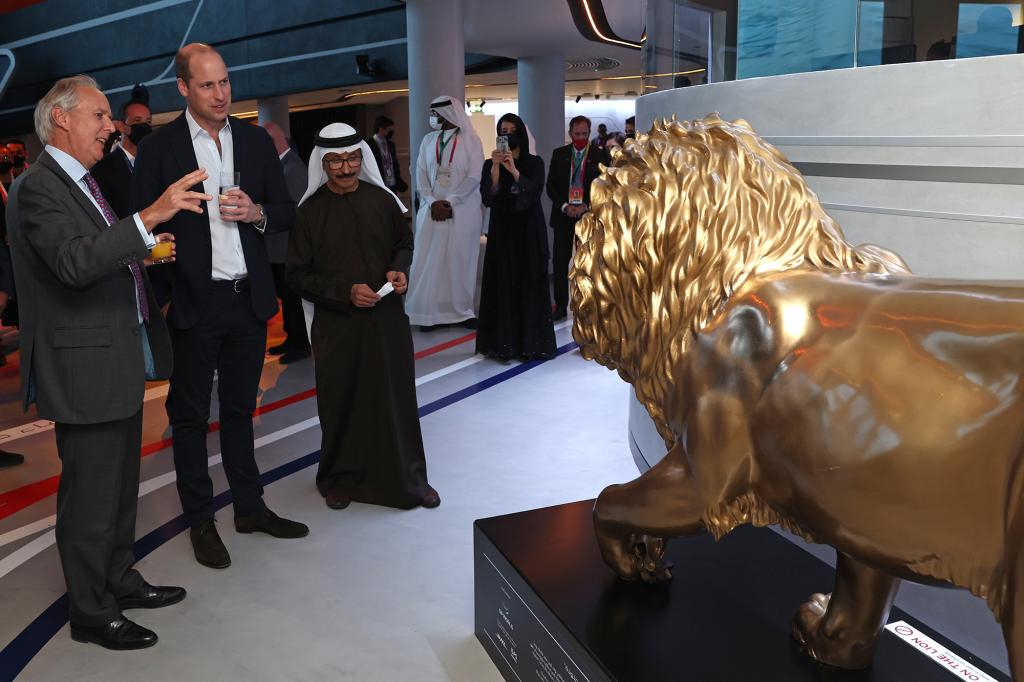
(228, 260)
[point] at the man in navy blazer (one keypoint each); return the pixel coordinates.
(572, 170)
(221, 293)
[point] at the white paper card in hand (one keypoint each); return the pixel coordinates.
(386, 289)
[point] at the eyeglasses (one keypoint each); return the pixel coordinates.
(336, 162)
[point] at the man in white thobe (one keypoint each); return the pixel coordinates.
(449, 222)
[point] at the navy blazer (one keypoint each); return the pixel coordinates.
(166, 156)
(114, 176)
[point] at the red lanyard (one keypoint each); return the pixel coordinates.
(576, 172)
(439, 148)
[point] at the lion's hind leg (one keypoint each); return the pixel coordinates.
(1012, 615)
(842, 629)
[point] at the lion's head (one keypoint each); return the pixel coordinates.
(681, 219)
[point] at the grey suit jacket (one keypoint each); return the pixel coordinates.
(80, 341)
(296, 178)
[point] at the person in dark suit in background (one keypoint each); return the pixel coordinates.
(221, 293)
(384, 152)
(91, 334)
(19, 157)
(7, 459)
(573, 167)
(296, 344)
(114, 171)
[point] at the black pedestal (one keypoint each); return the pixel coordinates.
(549, 610)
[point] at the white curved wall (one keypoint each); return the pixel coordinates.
(925, 158)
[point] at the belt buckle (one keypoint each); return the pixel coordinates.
(235, 284)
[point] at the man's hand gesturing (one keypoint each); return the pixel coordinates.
(177, 197)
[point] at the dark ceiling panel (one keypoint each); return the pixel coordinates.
(270, 47)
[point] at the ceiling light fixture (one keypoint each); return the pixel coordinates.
(654, 75)
(591, 22)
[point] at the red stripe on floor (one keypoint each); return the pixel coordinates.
(445, 346)
(15, 500)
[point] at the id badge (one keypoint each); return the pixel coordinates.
(576, 196)
(444, 177)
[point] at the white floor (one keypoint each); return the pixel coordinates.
(372, 593)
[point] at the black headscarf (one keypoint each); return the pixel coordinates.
(524, 138)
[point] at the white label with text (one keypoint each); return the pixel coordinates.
(938, 653)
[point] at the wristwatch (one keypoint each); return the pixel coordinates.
(261, 224)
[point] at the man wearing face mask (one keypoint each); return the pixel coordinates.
(19, 157)
(114, 171)
(383, 149)
(449, 221)
(573, 168)
(6, 173)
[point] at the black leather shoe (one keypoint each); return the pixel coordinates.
(338, 500)
(206, 543)
(119, 635)
(152, 597)
(10, 459)
(468, 324)
(279, 349)
(431, 499)
(294, 355)
(271, 524)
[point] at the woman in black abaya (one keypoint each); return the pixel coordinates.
(515, 299)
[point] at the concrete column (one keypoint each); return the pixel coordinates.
(542, 108)
(275, 109)
(437, 63)
(542, 101)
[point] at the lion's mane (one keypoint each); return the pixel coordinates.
(681, 219)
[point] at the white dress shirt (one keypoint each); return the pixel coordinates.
(77, 171)
(228, 261)
(131, 157)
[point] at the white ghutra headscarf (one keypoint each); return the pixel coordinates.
(454, 111)
(342, 138)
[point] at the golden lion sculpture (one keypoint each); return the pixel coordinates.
(801, 381)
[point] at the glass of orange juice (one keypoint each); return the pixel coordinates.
(162, 252)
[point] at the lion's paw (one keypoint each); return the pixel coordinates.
(649, 559)
(635, 556)
(837, 646)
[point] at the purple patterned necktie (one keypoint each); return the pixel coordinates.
(108, 215)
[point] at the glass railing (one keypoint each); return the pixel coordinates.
(692, 43)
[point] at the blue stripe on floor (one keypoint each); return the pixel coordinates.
(30, 641)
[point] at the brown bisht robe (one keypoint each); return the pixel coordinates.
(372, 449)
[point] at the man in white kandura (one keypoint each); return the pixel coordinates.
(449, 222)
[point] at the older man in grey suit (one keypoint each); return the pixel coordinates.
(296, 345)
(91, 333)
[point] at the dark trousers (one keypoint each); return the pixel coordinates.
(230, 339)
(561, 254)
(96, 502)
(291, 309)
